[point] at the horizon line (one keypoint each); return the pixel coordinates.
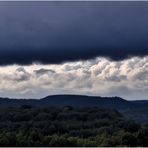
(93, 96)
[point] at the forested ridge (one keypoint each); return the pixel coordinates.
(69, 126)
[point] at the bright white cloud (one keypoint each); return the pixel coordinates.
(128, 79)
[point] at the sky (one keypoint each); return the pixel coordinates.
(79, 47)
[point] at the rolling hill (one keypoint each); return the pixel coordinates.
(74, 100)
(136, 110)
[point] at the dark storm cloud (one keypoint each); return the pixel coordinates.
(43, 71)
(55, 32)
(21, 75)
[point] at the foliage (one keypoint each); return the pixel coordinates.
(68, 126)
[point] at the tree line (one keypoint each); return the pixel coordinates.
(68, 126)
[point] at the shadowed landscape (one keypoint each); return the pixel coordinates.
(73, 120)
(73, 73)
(136, 110)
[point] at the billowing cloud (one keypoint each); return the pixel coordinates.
(43, 71)
(127, 78)
(57, 32)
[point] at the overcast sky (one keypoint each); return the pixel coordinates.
(91, 48)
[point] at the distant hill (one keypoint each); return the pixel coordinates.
(136, 110)
(74, 100)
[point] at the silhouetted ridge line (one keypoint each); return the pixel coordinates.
(74, 100)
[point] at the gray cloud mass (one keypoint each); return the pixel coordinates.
(56, 32)
(77, 47)
(127, 78)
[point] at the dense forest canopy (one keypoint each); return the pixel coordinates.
(69, 126)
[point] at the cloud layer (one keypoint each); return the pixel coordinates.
(55, 32)
(127, 78)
